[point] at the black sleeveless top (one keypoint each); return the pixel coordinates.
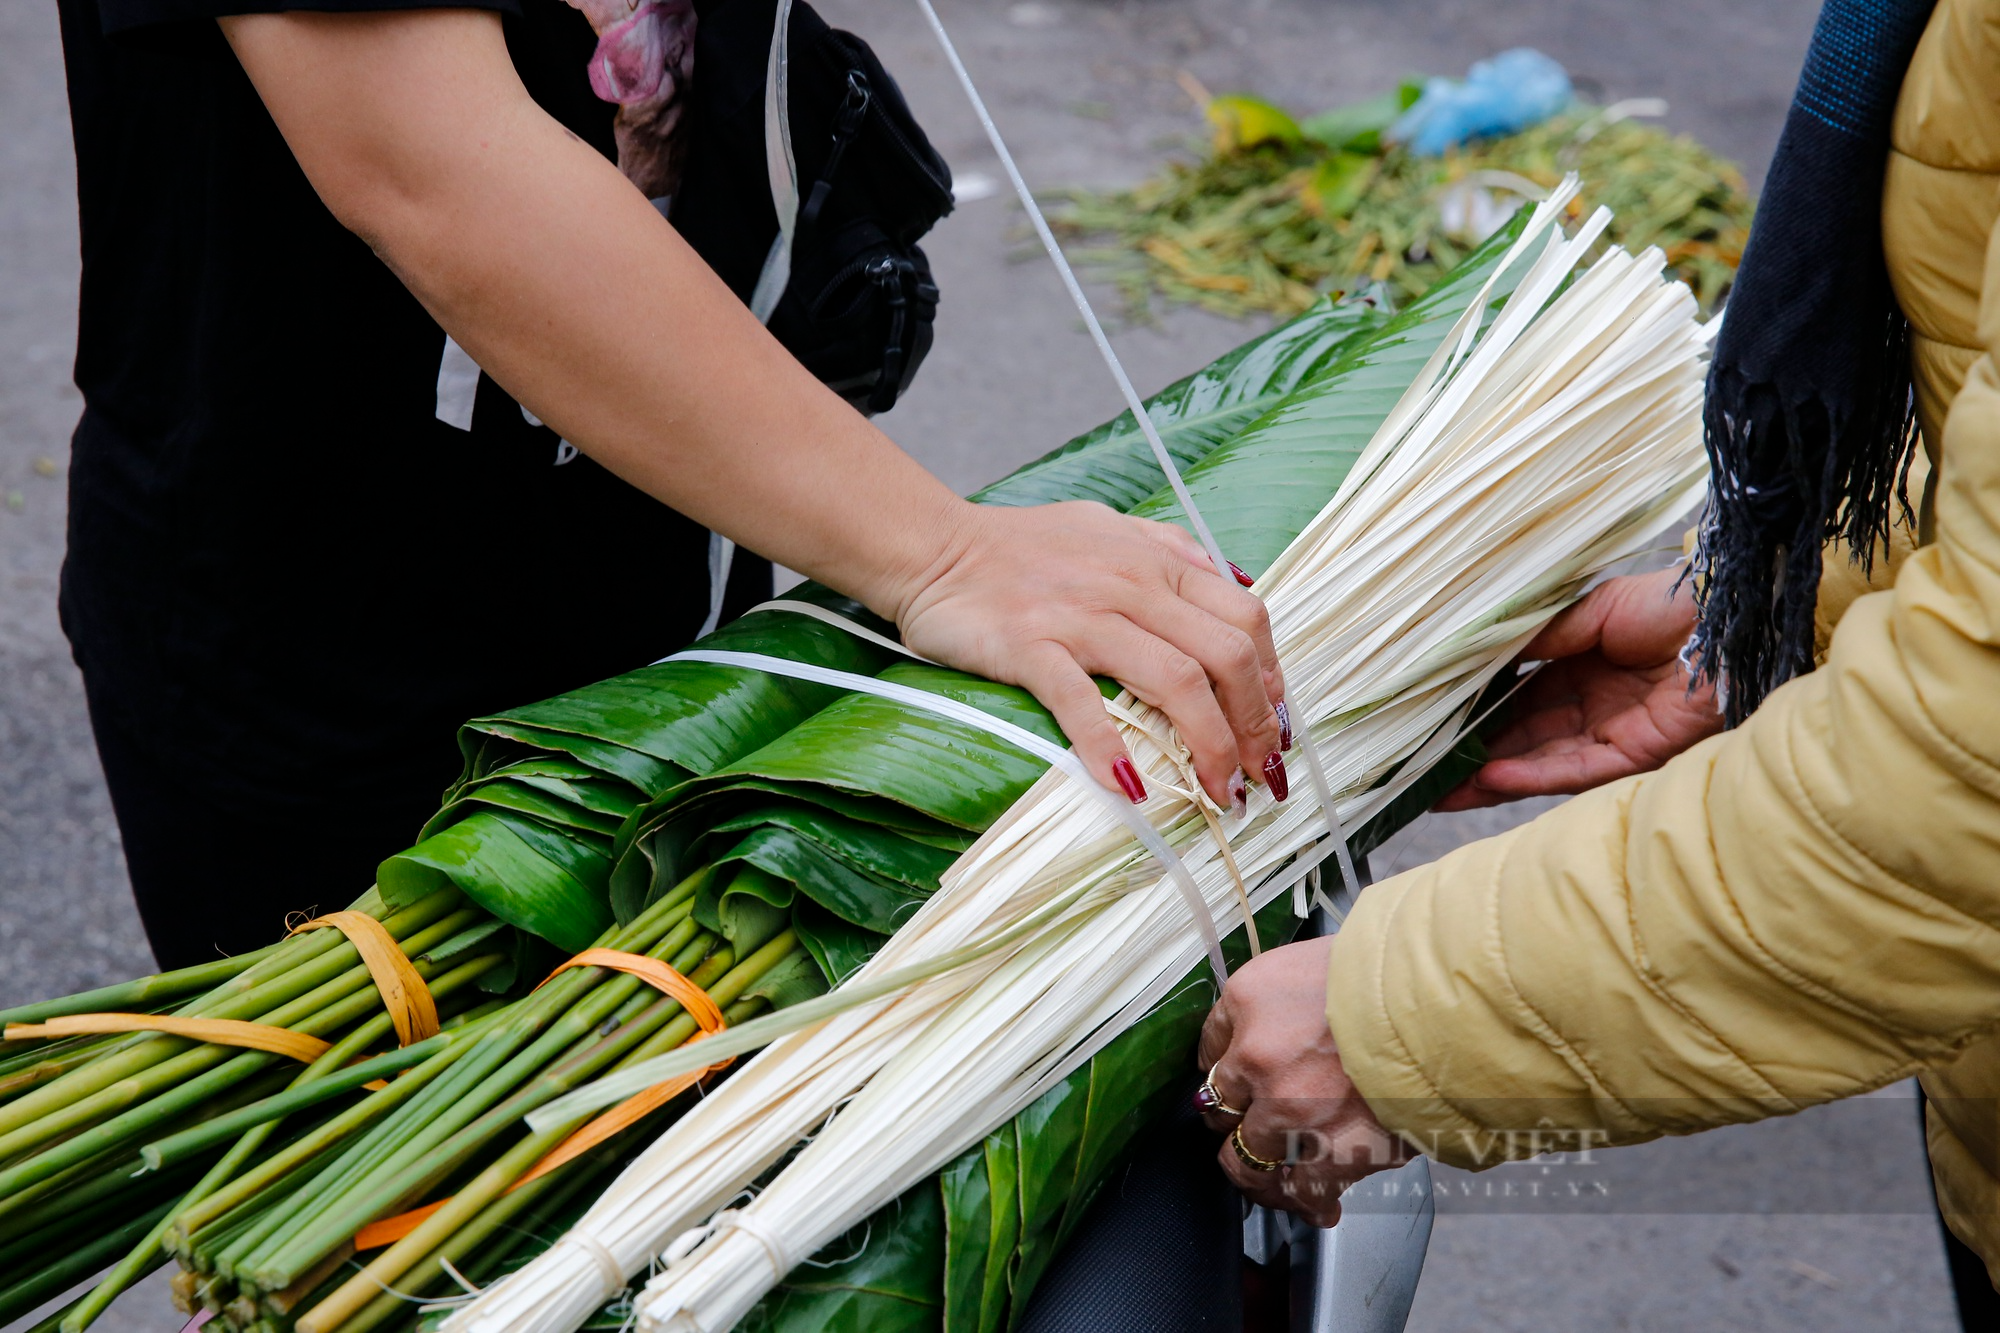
(283, 566)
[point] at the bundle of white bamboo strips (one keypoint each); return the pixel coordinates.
(1525, 461)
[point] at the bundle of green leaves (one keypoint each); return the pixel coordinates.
(763, 835)
(837, 813)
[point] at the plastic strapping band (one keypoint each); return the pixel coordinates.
(1144, 419)
(1053, 754)
(700, 1006)
(1336, 836)
(659, 975)
(215, 1031)
(838, 621)
(779, 165)
(1082, 302)
(782, 168)
(411, 1008)
(1316, 774)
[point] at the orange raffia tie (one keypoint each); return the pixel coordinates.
(692, 998)
(411, 1008)
(217, 1031)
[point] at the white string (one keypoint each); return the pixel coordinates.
(608, 1267)
(750, 1225)
(1117, 367)
(458, 1277)
(1315, 771)
(1055, 755)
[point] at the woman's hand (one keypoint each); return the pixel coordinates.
(569, 289)
(1271, 1059)
(1612, 701)
(1047, 597)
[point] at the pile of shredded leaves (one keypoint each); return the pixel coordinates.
(1277, 211)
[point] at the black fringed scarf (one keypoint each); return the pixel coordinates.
(1809, 414)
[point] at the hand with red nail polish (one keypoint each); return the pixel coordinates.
(1275, 776)
(1050, 596)
(1127, 774)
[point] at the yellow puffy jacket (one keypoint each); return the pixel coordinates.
(1802, 909)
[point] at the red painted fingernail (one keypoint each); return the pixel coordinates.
(1239, 794)
(1241, 577)
(1128, 779)
(1284, 725)
(1275, 777)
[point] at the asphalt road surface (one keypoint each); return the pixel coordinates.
(1806, 1224)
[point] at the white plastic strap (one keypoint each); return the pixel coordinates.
(721, 555)
(781, 166)
(457, 385)
(1337, 843)
(1082, 302)
(783, 171)
(1336, 836)
(1055, 755)
(838, 621)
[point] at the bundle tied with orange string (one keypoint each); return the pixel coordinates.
(411, 1009)
(282, 1236)
(91, 1084)
(627, 1113)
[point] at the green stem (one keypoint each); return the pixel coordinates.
(206, 1233)
(332, 957)
(201, 1226)
(50, 1323)
(494, 1047)
(327, 1069)
(723, 982)
(204, 1073)
(188, 1142)
(50, 1060)
(193, 1226)
(499, 1175)
(541, 1022)
(31, 1290)
(538, 1198)
(112, 1196)
(421, 1159)
(144, 993)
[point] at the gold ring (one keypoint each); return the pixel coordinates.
(1208, 1099)
(1250, 1159)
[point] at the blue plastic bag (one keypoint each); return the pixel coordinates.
(1503, 95)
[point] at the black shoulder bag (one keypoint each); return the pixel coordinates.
(857, 303)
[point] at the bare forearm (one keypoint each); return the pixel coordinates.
(567, 287)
